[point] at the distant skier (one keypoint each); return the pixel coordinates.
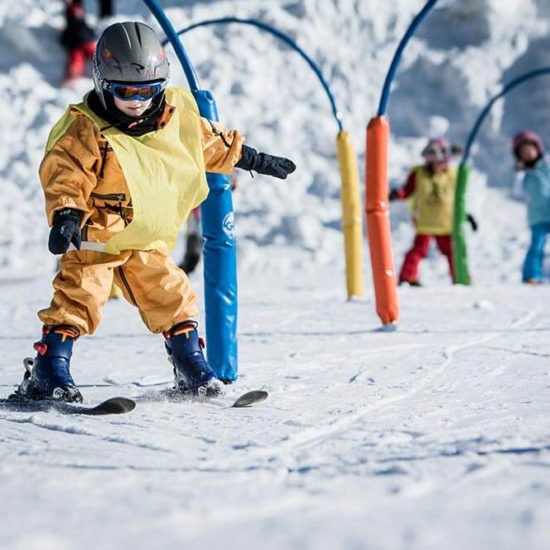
(431, 189)
(193, 243)
(122, 171)
(528, 150)
(78, 38)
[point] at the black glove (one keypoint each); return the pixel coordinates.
(472, 221)
(394, 194)
(65, 230)
(278, 167)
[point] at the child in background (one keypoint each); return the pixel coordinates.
(78, 38)
(528, 150)
(193, 243)
(121, 173)
(431, 189)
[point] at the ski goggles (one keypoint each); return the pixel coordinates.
(436, 154)
(129, 92)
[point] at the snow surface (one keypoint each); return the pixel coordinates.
(435, 436)
(432, 437)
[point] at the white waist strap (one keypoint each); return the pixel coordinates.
(89, 245)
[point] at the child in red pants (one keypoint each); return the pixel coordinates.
(78, 38)
(431, 188)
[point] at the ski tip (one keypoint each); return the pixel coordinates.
(249, 398)
(115, 405)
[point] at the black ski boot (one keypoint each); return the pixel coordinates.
(48, 376)
(192, 375)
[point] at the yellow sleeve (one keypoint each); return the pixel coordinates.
(222, 148)
(67, 172)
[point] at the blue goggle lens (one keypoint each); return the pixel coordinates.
(127, 92)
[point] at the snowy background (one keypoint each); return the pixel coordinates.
(436, 436)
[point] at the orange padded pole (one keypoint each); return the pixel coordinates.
(378, 221)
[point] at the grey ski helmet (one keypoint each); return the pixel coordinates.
(129, 52)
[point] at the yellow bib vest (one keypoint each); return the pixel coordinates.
(164, 171)
(433, 201)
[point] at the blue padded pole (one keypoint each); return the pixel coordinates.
(220, 265)
(220, 250)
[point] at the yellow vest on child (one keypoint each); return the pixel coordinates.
(433, 201)
(164, 171)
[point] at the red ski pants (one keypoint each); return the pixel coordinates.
(421, 245)
(76, 61)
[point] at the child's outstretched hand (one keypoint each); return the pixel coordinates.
(278, 167)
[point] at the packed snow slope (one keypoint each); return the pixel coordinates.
(432, 437)
(435, 436)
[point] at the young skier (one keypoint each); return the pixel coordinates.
(121, 173)
(528, 150)
(431, 188)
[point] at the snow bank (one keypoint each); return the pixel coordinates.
(461, 56)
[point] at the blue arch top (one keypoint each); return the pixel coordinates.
(285, 38)
(485, 112)
(385, 97)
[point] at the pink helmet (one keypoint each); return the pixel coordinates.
(527, 137)
(437, 151)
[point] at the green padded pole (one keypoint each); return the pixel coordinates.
(460, 259)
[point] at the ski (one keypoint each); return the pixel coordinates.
(245, 400)
(250, 398)
(118, 405)
(114, 405)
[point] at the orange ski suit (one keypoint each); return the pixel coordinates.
(82, 170)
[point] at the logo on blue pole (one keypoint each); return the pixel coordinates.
(229, 225)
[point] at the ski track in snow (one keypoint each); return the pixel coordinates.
(337, 428)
